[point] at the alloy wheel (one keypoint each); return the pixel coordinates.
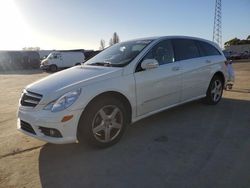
(107, 123)
(216, 90)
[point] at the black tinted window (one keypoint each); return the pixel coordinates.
(207, 49)
(162, 52)
(185, 49)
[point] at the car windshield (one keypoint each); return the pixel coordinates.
(119, 54)
(50, 56)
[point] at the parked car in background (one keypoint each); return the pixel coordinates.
(245, 55)
(62, 59)
(124, 83)
(236, 56)
(31, 59)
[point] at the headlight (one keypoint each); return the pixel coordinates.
(63, 102)
(44, 62)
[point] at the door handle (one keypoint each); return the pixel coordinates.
(175, 68)
(208, 61)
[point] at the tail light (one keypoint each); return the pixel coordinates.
(228, 62)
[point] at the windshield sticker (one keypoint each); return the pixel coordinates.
(122, 48)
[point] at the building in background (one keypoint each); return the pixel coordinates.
(19, 60)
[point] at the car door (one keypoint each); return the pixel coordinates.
(57, 60)
(195, 68)
(159, 87)
(61, 59)
(69, 59)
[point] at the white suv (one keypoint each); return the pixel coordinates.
(126, 82)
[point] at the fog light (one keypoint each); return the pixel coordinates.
(67, 118)
(50, 132)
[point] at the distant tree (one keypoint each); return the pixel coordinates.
(102, 44)
(115, 39)
(110, 42)
(234, 41)
(244, 42)
(31, 48)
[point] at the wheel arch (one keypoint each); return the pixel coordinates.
(117, 95)
(221, 75)
(208, 99)
(53, 65)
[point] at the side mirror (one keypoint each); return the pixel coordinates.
(149, 64)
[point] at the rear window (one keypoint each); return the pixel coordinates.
(207, 49)
(185, 49)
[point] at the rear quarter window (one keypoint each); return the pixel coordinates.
(207, 49)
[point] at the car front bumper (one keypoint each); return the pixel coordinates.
(44, 67)
(33, 123)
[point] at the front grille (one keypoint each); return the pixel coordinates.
(27, 127)
(30, 99)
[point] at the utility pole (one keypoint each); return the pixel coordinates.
(217, 33)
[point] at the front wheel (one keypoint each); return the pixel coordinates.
(53, 68)
(103, 122)
(215, 90)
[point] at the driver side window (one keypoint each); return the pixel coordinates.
(162, 52)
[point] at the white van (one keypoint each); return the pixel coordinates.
(62, 59)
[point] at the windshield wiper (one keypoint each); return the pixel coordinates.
(104, 63)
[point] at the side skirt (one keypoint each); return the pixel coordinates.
(165, 108)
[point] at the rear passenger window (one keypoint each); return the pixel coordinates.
(185, 49)
(207, 49)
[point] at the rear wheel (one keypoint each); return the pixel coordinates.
(103, 122)
(215, 90)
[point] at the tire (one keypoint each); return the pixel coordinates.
(214, 91)
(53, 68)
(103, 122)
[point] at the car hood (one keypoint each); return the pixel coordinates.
(72, 78)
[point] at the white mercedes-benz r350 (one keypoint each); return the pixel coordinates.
(128, 81)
